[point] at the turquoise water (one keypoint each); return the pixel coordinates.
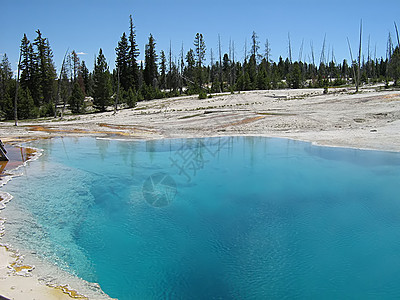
(221, 218)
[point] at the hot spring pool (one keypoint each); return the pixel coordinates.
(214, 218)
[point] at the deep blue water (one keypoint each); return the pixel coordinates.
(220, 218)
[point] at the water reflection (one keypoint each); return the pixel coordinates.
(17, 156)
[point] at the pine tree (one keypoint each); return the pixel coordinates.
(76, 100)
(75, 64)
(181, 69)
(131, 98)
(25, 104)
(150, 69)
(46, 69)
(189, 72)
(267, 51)
(122, 62)
(5, 74)
(200, 53)
(6, 88)
(251, 70)
(163, 69)
(65, 86)
(226, 67)
(29, 69)
(86, 79)
(255, 46)
(394, 66)
(102, 83)
(295, 78)
(133, 53)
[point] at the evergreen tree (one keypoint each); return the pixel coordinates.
(173, 77)
(76, 99)
(150, 69)
(29, 70)
(122, 62)
(7, 88)
(25, 104)
(80, 80)
(295, 77)
(267, 51)
(64, 86)
(86, 79)
(226, 67)
(102, 84)
(255, 46)
(25, 66)
(163, 69)
(200, 53)
(131, 98)
(133, 53)
(75, 65)
(394, 66)
(190, 68)
(5, 75)
(46, 69)
(251, 70)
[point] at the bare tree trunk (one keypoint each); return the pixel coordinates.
(230, 64)
(358, 82)
(220, 64)
(312, 53)
(117, 97)
(397, 34)
(322, 56)
(59, 84)
(233, 63)
(352, 61)
(16, 92)
(245, 53)
(369, 53)
(290, 49)
(169, 82)
(182, 67)
(69, 86)
(389, 47)
(301, 51)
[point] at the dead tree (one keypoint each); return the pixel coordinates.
(233, 69)
(359, 60)
(312, 53)
(211, 73)
(16, 92)
(290, 48)
(220, 64)
(389, 47)
(59, 85)
(352, 61)
(301, 51)
(322, 56)
(117, 96)
(397, 34)
(267, 51)
(230, 63)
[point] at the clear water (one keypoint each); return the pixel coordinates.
(221, 218)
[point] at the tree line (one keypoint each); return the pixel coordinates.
(38, 91)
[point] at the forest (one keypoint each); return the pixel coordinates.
(39, 90)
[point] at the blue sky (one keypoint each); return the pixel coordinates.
(86, 25)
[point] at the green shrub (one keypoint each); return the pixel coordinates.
(203, 94)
